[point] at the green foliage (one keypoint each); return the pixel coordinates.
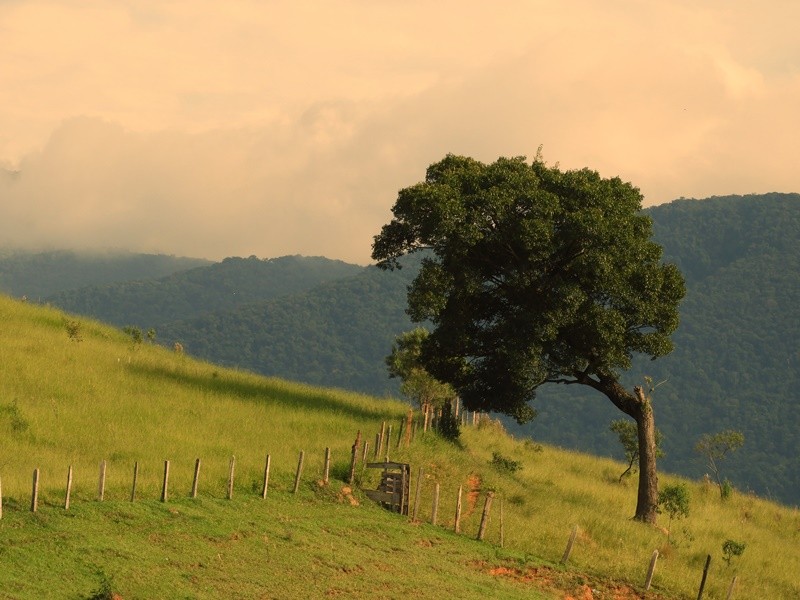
(227, 285)
(504, 463)
(19, 424)
(135, 334)
(629, 440)
(726, 489)
(336, 334)
(732, 548)
(104, 591)
(715, 448)
(73, 330)
(449, 426)
(536, 275)
(674, 501)
(418, 385)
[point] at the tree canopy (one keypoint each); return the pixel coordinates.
(534, 275)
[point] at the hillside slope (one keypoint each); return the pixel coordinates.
(65, 402)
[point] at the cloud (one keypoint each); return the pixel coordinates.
(272, 128)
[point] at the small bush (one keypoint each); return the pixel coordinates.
(725, 490)
(674, 500)
(502, 463)
(74, 331)
(732, 548)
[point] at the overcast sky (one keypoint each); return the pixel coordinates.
(213, 129)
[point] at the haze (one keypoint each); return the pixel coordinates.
(214, 129)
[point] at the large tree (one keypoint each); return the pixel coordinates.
(535, 275)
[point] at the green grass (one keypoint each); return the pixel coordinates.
(65, 403)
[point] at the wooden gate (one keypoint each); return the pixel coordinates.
(393, 490)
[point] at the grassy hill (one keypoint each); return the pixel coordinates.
(66, 402)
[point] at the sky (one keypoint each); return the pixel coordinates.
(268, 128)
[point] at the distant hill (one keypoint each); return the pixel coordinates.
(40, 274)
(336, 334)
(222, 286)
(736, 362)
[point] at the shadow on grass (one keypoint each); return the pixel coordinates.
(297, 396)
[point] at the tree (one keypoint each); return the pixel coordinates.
(674, 500)
(715, 448)
(535, 275)
(417, 384)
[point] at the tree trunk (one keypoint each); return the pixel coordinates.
(638, 406)
(647, 499)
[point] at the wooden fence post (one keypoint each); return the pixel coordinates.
(377, 445)
(379, 449)
(416, 495)
(457, 526)
(195, 478)
(266, 478)
(400, 433)
(435, 507)
(487, 506)
(231, 468)
(326, 470)
(730, 588)
(165, 484)
(705, 575)
(101, 485)
(409, 421)
(299, 472)
(571, 541)
(135, 479)
(388, 441)
(35, 491)
(651, 570)
(1, 498)
(502, 525)
(365, 454)
(354, 458)
(69, 488)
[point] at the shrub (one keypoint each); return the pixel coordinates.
(674, 500)
(732, 548)
(502, 463)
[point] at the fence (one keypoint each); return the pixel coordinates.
(407, 431)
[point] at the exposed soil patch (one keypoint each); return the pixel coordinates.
(569, 586)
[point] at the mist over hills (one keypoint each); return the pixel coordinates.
(736, 362)
(40, 274)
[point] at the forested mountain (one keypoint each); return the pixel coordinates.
(40, 274)
(736, 362)
(334, 335)
(232, 283)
